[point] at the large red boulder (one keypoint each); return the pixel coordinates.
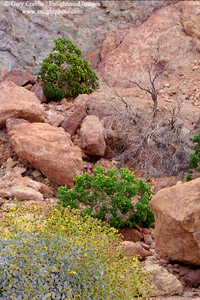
(92, 136)
(71, 124)
(19, 77)
(17, 102)
(48, 149)
(177, 222)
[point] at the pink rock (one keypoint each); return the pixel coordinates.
(22, 193)
(51, 152)
(53, 118)
(12, 185)
(131, 234)
(17, 102)
(106, 164)
(92, 136)
(28, 86)
(35, 185)
(19, 77)
(73, 122)
(104, 104)
(192, 278)
(38, 90)
(159, 39)
(132, 248)
(177, 222)
(11, 122)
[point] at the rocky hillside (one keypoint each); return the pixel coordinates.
(26, 39)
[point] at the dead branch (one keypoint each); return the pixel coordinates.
(152, 90)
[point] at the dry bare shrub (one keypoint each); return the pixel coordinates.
(156, 147)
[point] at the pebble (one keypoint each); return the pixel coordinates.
(36, 173)
(148, 239)
(188, 294)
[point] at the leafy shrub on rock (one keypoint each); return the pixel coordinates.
(195, 157)
(61, 255)
(65, 73)
(119, 201)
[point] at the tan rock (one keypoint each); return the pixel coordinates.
(30, 183)
(132, 248)
(12, 185)
(177, 222)
(53, 118)
(11, 122)
(21, 193)
(19, 77)
(106, 164)
(92, 136)
(131, 234)
(162, 282)
(163, 182)
(73, 122)
(52, 151)
(28, 86)
(17, 102)
(38, 90)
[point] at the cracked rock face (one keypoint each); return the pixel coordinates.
(177, 222)
(31, 36)
(170, 38)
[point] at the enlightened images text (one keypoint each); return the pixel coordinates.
(51, 3)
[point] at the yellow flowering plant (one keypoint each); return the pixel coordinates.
(57, 253)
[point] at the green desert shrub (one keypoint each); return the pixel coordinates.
(60, 254)
(65, 73)
(194, 163)
(119, 200)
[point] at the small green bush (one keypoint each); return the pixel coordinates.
(60, 254)
(65, 73)
(119, 201)
(194, 158)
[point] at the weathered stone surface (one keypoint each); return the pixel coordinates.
(11, 122)
(28, 86)
(19, 77)
(52, 151)
(132, 248)
(160, 39)
(21, 193)
(73, 122)
(32, 35)
(53, 118)
(12, 185)
(192, 278)
(177, 222)
(37, 89)
(106, 164)
(163, 182)
(30, 183)
(162, 282)
(92, 136)
(131, 234)
(17, 102)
